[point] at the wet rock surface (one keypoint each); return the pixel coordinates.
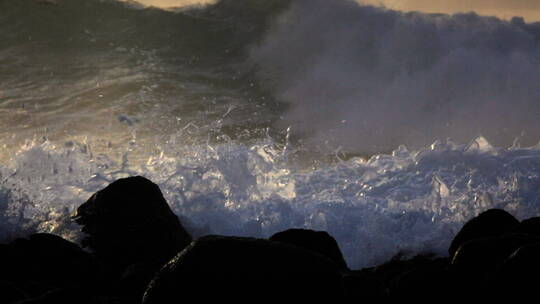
(316, 241)
(493, 222)
(42, 263)
(132, 231)
(130, 222)
(238, 268)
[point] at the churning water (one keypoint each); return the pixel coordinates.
(258, 116)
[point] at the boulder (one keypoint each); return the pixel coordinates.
(518, 274)
(423, 283)
(129, 222)
(317, 241)
(242, 269)
(11, 293)
(493, 222)
(132, 231)
(66, 296)
(529, 226)
(419, 278)
(363, 285)
(482, 256)
(44, 262)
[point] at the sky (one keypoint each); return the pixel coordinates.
(506, 9)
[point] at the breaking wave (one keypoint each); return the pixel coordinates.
(251, 116)
(369, 79)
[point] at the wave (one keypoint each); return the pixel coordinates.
(369, 79)
(337, 72)
(200, 101)
(109, 69)
(96, 24)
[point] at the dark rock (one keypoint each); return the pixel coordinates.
(317, 241)
(241, 269)
(423, 283)
(133, 232)
(518, 274)
(476, 261)
(493, 222)
(134, 280)
(422, 277)
(363, 285)
(64, 296)
(481, 256)
(399, 264)
(529, 226)
(43, 262)
(10, 292)
(130, 222)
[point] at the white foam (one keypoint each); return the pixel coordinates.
(411, 201)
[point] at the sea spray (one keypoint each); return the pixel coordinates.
(408, 202)
(368, 79)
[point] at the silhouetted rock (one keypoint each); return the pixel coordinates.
(423, 283)
(129, 222)
(529, 226)
(476, 261)
(518, 274)
(11, 293)
(66, 296)
(363, 285)
(421, 278)
(131, 229)
(493, 222)
(317, 241)
(240, 269)
(44, 262)
(481, 256)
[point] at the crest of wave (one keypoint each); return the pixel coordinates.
(408, 201)
(368, 79)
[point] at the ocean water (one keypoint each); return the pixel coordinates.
(257, 116)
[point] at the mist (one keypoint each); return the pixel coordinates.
(368, 79)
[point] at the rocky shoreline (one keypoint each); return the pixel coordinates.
(137, 251)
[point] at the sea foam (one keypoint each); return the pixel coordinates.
(406, 202)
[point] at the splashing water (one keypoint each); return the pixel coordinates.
(198, 99)
(409, 201)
